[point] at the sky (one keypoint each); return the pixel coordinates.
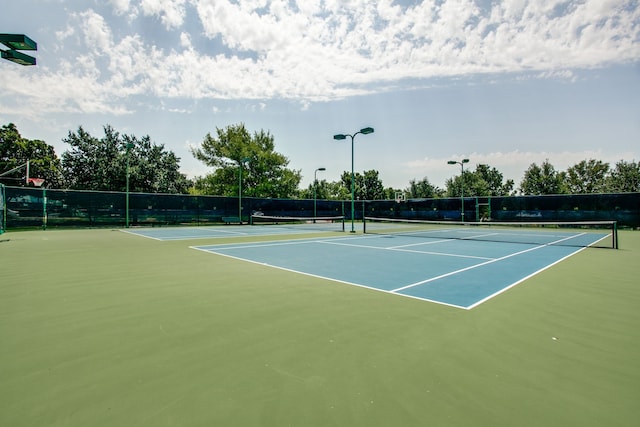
(503, 83)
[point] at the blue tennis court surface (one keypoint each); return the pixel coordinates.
(461, 273)
(222, 231)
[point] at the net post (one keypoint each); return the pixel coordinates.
(44, 208)
(614, 230)
(3, 210)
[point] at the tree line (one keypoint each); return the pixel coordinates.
(102, 164)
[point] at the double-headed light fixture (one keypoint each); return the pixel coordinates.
(461, 163)
(341, 136)
(15, 43)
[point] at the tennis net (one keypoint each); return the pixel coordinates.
(319, 223)
(578, 234)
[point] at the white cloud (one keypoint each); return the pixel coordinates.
(333, 49)
(313, 50)
(96, 32)
(120, 6)
(171, 12)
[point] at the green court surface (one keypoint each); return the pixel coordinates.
(104, 328)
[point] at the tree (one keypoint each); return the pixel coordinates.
(321, 189)
(588, 176)
(372, 186)
(368, 185)
(624, 178)
(93, 164)
(483, 182)
(390, 193)
(16, 151)
(101, 164)
(264, 171)
(422, 189)
(338, 191)
(494, 181)
(540, 180)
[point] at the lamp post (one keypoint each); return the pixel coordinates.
(461, 163)
(315, 185)
(126, 208)
(241, 163)
(341, 136)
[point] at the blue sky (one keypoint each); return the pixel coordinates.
(505, 83)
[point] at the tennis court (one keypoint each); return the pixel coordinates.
(282, 226)
(105, 328)
(460, 271)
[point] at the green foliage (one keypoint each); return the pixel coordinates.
(101, 164)
(544, 179)
(624, 178)
(484, 181)
(264, 171)
(320, 189)
(16, 150)
(337, 191)
(367, 186)
(423, 189)
(588, 176)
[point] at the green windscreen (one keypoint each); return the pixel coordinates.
(29, 207)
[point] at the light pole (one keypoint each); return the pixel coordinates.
(461, 163)
(126, 208)
(241, 162)
(315, 185)
(341, 136)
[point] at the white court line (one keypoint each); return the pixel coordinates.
(477, 303)
(447, 240)
(240, 245)
(333, 241)
(212, 251)
(422, 282)
(140, 235)
(187, 236)
(399, 249)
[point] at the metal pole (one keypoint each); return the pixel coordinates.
(461, 163)
(341, 136)
(462, 191)
(127, 190)
(353, 187)
(240, 193)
